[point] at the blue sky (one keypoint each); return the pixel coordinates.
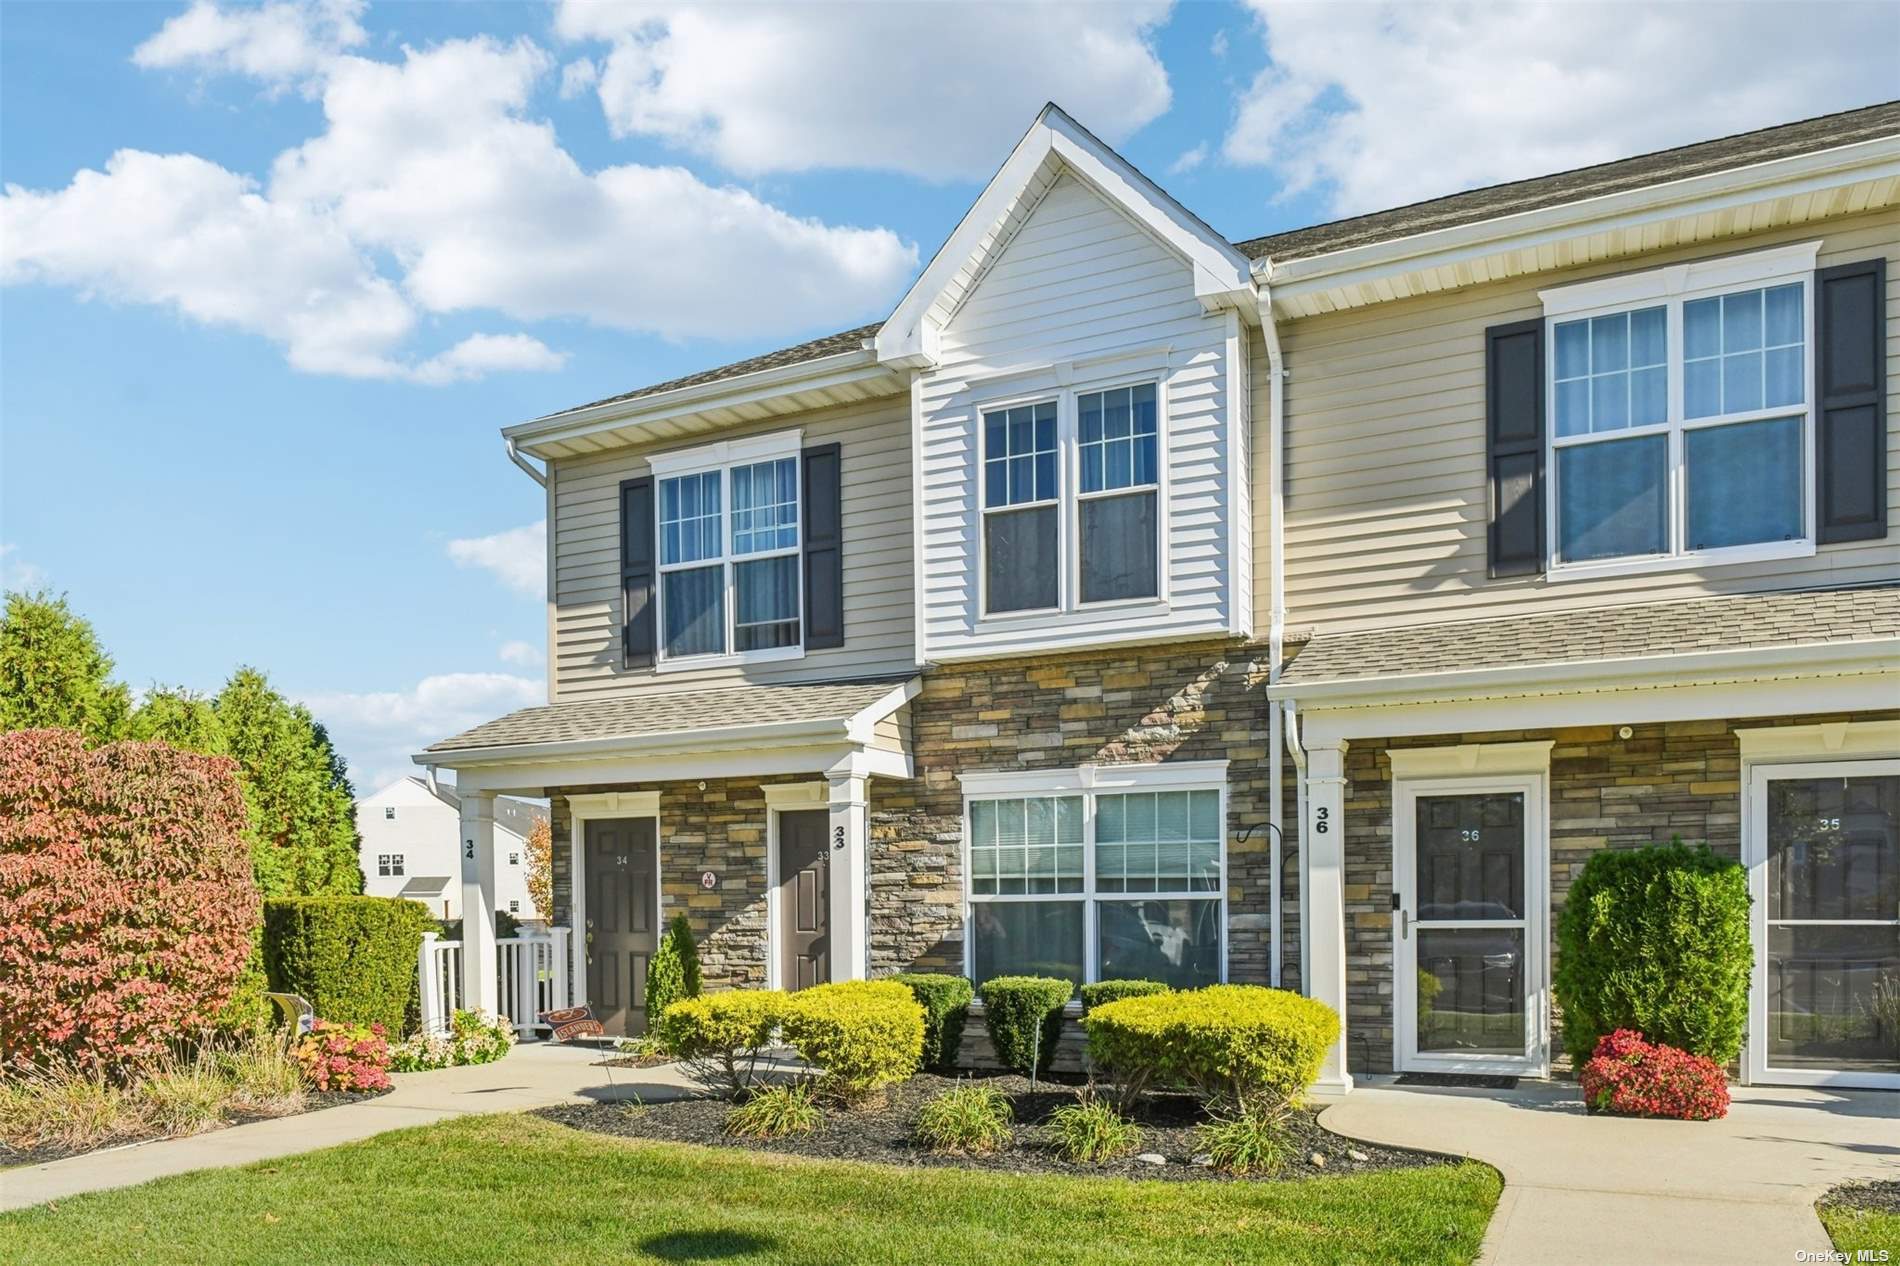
(252, 367)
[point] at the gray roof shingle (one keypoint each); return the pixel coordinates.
(1798, 618)
(678, 712)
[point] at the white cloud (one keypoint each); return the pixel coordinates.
(1384, 104)
(432, 168)
(1218, 45)
(17, 573)
(936, 90)
(378, 731)
(578, 77)
(526, 654)
(276, 42)
(1189, 160)
(518, 557)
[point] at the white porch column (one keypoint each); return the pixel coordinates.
(850, 879)
(1324, 900)
(479, 968)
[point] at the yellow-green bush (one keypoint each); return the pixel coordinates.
(721, 1036)
(1243, 1047)
(863, 1034)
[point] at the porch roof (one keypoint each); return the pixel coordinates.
(725, 713)
(1599, 635)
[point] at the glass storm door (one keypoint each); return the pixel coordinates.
(1824, 859)
(1467, 932)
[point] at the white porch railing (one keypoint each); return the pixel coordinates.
(531, 977)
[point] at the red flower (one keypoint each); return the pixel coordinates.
(1628, 1076)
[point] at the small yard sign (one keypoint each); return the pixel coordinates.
(572, 1022)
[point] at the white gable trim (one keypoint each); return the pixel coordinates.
(1223, 277)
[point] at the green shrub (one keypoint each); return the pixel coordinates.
(1656, 939)
(64, 1105)
(673, 971)
(775, 1112)
(864, 1034)
(472, 1038)
(1245, 1142)
(1244, 1048)
(946, 1004)
(1024, 1017)
(354, 958)
(968, 1118)
(1106, 991)
(720, 1037)
(1090, 1131)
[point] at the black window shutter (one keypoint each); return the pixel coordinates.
(1850, 368)
(1514, 429)
(636, 571)
(824, 547)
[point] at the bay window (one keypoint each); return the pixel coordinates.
(729, 568)
(1681, 415)
(1098, 878)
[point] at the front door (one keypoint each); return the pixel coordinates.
(1468, 928)
(1823, 852)
(804, 899)
(622, 920)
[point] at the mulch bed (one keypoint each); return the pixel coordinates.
(314, 1101)
(881, 1133)
(1874, 1197)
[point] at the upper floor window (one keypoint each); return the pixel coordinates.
(389, 813)
(389, 864)
(1681, 420)
(1082, 467)
(729, 560)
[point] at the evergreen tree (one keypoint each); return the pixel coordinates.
(54, 673)
(182, 718)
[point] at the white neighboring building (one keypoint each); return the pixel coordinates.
(409, 835)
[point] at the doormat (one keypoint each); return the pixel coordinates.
(1467, 1081)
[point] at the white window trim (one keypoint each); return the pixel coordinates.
(1069, 495)
(722, 457)
(1671, 288)
(1087, 782)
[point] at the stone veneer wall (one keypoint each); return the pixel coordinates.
(1672, 778)
(1199, 701)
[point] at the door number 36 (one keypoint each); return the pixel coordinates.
(1322, 819)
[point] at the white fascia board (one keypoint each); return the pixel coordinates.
(1223, 277)
(1876, 159)
(862, 726)
(836, 370)
(723, 738)
(1094, 777)
(1578, 676)
(534, 778)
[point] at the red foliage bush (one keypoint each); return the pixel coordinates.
(344, 1056)
(1629, 1077)
(126, 899)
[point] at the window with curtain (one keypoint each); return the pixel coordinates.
(1098, 886)
(1021, 494)
(1679, 427)
(730, 580)
(1118, 500)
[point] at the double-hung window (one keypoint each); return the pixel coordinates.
(1681, 415)
(730, 579)
(389, 865)
(1071, 499)
(1097, 879)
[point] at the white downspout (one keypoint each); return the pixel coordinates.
(539, 476)
(1276, 610)
(1295, 750)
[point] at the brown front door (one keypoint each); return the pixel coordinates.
(803, 898)
(622, 922)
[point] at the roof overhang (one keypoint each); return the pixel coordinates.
(1846, 180)
(841, 378)
(1222, 274)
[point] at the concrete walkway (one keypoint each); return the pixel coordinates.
(1610, 1189)
(532, 1076)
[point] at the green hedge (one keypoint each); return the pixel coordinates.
(1024, 1017)
(1106, 991)
(946, 1004)
(1244, 1048)
(354, 958)
(863, 1034)
(1656, 939)
(673, 971)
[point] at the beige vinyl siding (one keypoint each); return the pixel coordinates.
(1386, 510)
(585, 550)
(1080, 294)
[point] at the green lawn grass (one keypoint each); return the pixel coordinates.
(1856, 1229)
(518, 1188)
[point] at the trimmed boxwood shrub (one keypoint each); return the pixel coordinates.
(1656, 939)
(1024, 1017)
(863, 1034)
(354, 958)
(673, 971)
(1244, 1048)
(126, 897)
(1103, 991)
(720, 1037)
(946, 1004)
